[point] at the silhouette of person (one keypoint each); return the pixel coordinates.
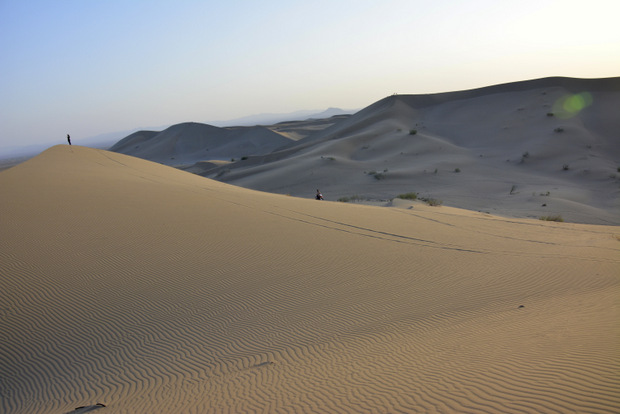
(319, 196)
(69, 139)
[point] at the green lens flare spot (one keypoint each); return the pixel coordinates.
(570, 105)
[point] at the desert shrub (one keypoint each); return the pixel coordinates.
(457, 170)
(565, 167)
(408, 196)
(413, 131)
(559, 129)
(352, 198)
(377, 175)
(245, 157)
(550, 114)
(513, 188)
(556, 217)
(524, 156)
(431, 201)
(618, 169)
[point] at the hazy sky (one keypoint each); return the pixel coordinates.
(88, 67)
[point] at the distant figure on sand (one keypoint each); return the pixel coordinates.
(69, 139)
(319, 196)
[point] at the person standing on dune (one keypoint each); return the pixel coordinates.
(319, 196)
(69, 139)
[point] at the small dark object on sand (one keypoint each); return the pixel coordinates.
(521, 306)
(90, 407)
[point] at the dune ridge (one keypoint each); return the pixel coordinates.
(149, 289)
(191, 142)
(511, 149)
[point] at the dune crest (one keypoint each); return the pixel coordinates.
(190, 142)
(525, 149)
(151, 289)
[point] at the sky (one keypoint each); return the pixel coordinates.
(90, 67)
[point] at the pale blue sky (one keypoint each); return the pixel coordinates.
(88, 67)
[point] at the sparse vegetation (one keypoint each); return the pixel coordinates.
(558, 218)
(565, 167)
(524, 156)
(457, 170)
(408, 196)
(550, 114)
(352, 198)
(512, 189)
(433, 202)
(377, 175)
(413, 131)
(245, 157)
(559, 129)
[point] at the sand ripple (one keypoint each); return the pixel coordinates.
(152, 290)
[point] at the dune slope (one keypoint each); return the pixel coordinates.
(523, 149)
(191, 142)
(147, 289)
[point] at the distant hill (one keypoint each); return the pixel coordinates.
(523, 149)
(190, 142)
(274, 118)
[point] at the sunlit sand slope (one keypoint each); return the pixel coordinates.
(146, 289)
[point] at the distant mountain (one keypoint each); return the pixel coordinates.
(274, 118)
(190, 142)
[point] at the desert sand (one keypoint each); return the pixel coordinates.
(147, 289)
(530, 149)
(190, 142)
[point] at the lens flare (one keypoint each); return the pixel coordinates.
(570, 105)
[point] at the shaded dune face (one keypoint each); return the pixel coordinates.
(516, 149)
(147, 289)
(191, 142)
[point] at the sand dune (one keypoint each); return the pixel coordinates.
(513, 150)
(148, 289)
(191, 142)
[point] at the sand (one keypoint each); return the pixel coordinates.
(192, 142)
(510, 150)
(148, 289)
